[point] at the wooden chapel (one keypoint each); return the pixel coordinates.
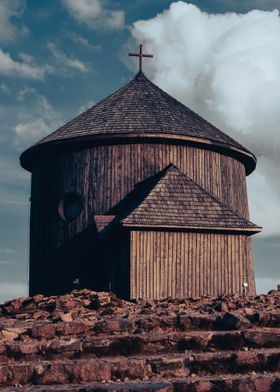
(141, 196)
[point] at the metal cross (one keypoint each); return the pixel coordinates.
(140, 55)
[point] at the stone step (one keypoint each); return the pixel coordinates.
(154, 386)
(139, 367)
(224, 362)
(146, 343)
(11, 329)
(224, 383)
(150, 343)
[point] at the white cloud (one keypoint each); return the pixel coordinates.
(11, 290)
(68, 62)
(24, 93)
(10, 9)
(80, 40)
(32, 130)
(26, 68)
(93, 13)
(226, 68)
(35, 121)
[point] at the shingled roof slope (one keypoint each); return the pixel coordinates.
(140, 107)
(177, 201)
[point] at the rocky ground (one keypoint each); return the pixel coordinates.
(88, 341)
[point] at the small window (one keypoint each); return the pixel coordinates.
(70, 207)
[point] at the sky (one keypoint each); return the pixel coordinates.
(58, 57)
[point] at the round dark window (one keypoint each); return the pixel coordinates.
(70, 207)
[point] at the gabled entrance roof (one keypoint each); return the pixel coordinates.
(175, 201)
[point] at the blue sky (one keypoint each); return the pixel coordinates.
(58, 57)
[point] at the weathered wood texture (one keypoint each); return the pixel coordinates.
(182, 264)
(103, 175)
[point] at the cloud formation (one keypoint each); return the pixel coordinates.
(10, 9)
(67, 62)
(81, 40)
(93, 13)
(26, 68)
(226, 68)
(36, 120)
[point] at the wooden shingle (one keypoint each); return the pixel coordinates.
(139, 109)
(175, 201)
(140, 106)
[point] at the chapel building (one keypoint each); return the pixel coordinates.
(141, 196)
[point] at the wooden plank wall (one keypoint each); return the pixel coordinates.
(250, 266)
(108, 173)
(120, 167)
(104, 175)
(181, 264)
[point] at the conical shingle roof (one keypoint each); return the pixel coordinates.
(176, 201)
(141, 109)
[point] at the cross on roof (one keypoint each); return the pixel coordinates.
(140, 55)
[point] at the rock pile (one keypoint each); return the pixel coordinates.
(88, 341)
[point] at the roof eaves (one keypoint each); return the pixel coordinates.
(238, 229)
